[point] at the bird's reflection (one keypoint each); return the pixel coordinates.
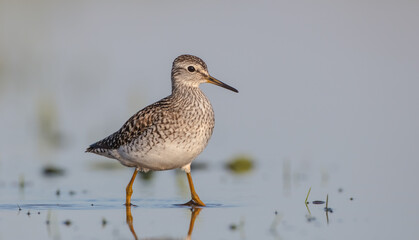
(130, 220)
(194, 214)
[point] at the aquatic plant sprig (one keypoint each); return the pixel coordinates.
(306, 203)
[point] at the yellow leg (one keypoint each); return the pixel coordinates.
(129, 188)
(195, 198)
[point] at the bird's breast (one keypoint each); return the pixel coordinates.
(175, 140)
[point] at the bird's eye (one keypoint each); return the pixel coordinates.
(191, 69)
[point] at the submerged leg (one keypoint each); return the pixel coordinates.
(195, 198)
(129, 188)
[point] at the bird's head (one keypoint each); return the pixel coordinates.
(188, 70)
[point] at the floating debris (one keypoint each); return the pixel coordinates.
(57, 192)
(318, 202)
(327, 209)
(20, 209)
(52, 171)
(239, 226)
(71, 192)
(28, 213)
(39, 213)
(351, 198)
(240, 164)
(67, 222)
(233, 227)
(48, 221)
(104, 222)
(340, 190)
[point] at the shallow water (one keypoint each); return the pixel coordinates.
(260, 204)
(328, 101)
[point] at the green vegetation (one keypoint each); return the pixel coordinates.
(240, 164)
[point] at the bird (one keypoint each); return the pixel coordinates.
(170, 133)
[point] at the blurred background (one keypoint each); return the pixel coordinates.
(328, 99)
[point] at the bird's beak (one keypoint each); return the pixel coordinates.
(221, 84)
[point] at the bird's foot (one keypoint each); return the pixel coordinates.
(130, 204)
(193, 203)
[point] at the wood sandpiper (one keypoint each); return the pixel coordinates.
(170, 133)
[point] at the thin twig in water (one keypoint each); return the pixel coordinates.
(309, 190)
(306, 203)
(327, 208)
(327, 201)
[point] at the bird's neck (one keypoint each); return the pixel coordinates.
(189, 95)
(183, 90)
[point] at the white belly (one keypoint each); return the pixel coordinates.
(165, 156)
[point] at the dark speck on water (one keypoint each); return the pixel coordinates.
(328, 210)
(72, 193)
(67, 222)
(57, 192)
(234, 226)
(104, 222)
(52, 171)
(351, 198)
(340, 190)
(318, 202)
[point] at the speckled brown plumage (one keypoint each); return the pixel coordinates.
(133, 128)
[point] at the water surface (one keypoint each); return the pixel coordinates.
(328, 100)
